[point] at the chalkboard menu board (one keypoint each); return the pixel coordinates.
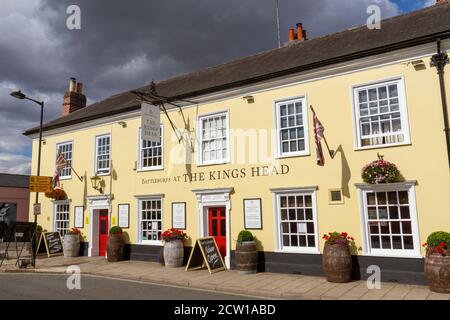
(52, 242)
(205, 252)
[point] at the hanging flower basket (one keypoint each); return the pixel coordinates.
(380, 171)
(56, 194)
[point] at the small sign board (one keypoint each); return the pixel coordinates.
(40, 184)
(52, 242)
(205, 252)
(37, 209)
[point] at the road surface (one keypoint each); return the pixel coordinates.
(48, 286)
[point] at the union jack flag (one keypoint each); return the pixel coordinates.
(60, 163)
(318, 135)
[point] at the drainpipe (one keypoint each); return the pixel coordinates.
(439, 61)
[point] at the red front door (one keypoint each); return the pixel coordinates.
(102, 232)
(217, 227)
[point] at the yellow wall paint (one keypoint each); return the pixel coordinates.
(424, 160)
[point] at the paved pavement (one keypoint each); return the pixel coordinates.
(264, 284)
(53, 286)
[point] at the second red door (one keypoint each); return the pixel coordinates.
(102, 232)
(217, 227)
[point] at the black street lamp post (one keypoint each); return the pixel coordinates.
(20, 95)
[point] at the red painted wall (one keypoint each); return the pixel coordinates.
(21, 196)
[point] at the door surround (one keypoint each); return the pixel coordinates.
(219, 197)
(95, 203)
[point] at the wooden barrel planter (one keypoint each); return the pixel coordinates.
(437, 271)
(337, 263)
(71, 245)
(246, 257)
(173, 253)
(115, 248)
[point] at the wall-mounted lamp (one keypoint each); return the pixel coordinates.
(96, 183)
(249, 99)
(122, 123)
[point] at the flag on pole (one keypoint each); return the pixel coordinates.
(318, 135)
(60, 163)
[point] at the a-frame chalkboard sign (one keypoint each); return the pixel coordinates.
(52, 242)
(205, 252)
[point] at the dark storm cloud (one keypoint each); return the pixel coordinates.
(125, 44)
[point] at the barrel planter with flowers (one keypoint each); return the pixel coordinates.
(336, 258)
(173, 247)
(115, 246)
(71, 244)
(437, 261)
(246, 253)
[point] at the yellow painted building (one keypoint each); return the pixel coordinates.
(245, 145)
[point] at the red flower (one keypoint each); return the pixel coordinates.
(344, 234)
(439, 250)
(443, 244)
(425, 244)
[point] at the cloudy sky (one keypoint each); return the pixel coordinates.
(125, 44)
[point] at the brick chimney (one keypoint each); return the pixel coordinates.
(74, 99)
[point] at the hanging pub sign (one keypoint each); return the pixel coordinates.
(205, 253)
(150, 122)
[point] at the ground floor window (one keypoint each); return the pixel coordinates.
(150, 213)
(296, 216)
(62, 212)
(390, 220)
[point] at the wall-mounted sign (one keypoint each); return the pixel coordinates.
(37, 209)
(40, 184)
(252, 214)
(150, 122)
(79, 217)
(124, 215)
(301, 227)
(8, 212)
(179, 215)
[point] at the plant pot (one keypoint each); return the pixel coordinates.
(437, 271)
(173, 253)
(115, 248)
(246, 257)
(71, 245)
(337, 263)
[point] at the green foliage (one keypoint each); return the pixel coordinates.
(116, 230)
(436, 238)
(38, 228)
(245, 235)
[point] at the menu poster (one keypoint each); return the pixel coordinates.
(124, 215)
(179, 215)
(252, 213)
(79, 217)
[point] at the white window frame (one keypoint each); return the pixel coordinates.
(58, 145)
(139, 206)
(151, 168)
(96, 155)
(279, 149)
(402, 109)
(200, 119)
(277, 193)
(408, 186)
(55, 212)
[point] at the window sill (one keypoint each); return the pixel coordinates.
(150, 169)
(293, 155)
(65, 178)
(382, 146)
(151, 243)
(413, 255)
(213, 163)
(103, 174)
(302, 251)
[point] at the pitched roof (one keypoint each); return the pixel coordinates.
(14, 180)
(398, 32)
